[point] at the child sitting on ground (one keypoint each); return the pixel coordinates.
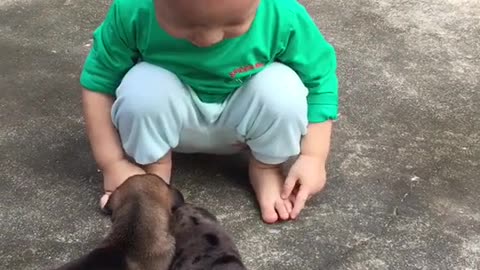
(213, 76)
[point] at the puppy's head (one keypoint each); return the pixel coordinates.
(147, 186)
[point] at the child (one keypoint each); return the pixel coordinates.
(213, 76)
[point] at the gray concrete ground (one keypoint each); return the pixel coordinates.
(403, 178)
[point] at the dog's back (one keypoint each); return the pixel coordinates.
(202, 243)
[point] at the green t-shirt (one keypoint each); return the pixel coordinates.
(282, 31)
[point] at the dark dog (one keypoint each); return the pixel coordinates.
(202, 243)
(141, 236)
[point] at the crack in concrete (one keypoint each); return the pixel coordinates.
(413, 183)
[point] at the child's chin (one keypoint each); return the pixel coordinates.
(204, 45)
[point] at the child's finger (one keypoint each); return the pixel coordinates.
(104, 200)
(300, 201)
(282, 210)
(288, 186)
(288, 206)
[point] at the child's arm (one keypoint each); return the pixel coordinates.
(114, 51)
(314, 60)
(309, 171)
(104, 140)
(317, 141)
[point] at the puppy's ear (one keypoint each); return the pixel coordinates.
(177, 198)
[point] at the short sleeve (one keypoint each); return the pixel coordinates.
(114, 50)
(313, 58)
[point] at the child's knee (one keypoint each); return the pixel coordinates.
(149, 112)
(149, 92)
(280, 92)
(135, 107)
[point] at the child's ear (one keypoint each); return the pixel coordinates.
(177, 198)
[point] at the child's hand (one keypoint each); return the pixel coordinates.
(115, 174)
(308, 173)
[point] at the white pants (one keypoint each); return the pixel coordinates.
(155, 112)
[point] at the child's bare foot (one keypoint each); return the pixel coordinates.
(267, 182)
(162, 168)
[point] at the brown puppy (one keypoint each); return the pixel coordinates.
(140, 237)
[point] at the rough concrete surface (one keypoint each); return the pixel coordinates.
(403, 175)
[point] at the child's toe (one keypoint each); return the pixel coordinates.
(269, 215)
